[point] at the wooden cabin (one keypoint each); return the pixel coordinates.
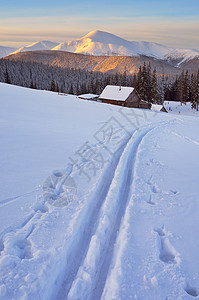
(123, 96)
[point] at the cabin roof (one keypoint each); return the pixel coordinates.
(118, 93)
(157, 107)
(88, 96)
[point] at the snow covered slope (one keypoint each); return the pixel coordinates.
(41, 45)
(103, 43)
(175, 107)
(4, 51)
(97, 201)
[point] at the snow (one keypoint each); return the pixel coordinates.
(40, 45)
(4, 51)
(175, 107)
(97, 201)
(182, 55)
(156, 107)
(88, 96)
(113, 92)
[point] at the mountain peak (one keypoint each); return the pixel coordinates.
(99, 36)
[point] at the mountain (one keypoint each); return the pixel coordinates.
(110, 64)
(4, 51)
(41, 45)
(101, 43)
(106, 52)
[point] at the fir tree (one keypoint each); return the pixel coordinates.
(71, 89)
(32, 84)
(52, 87)
(154, 88)
(7, 77)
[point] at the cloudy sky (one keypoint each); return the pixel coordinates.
(170, 22)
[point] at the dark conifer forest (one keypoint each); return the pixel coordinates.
(151, 86)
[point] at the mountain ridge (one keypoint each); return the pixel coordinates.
(106, 52)
(109, 64)
(100, 43)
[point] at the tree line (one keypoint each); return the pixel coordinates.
(150, 86)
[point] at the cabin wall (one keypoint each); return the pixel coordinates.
(114, 102)
(145, 105)
(132, 100)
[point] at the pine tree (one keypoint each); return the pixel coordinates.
(71, 89)
(7, 77)
(185, 87)
(52, 87)
(154, 88)
(32, 84)
(194, 89)
(57, 88)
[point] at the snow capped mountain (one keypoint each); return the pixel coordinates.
(4, 51)
(181, 55)
(100, 43)
(41, 45)
(103, 43)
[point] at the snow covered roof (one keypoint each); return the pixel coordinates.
(156, 107)
(113, 92)
(88, 96)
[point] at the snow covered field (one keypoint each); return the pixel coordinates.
(175, 107)
(97, 201)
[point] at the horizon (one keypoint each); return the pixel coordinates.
(172, 23)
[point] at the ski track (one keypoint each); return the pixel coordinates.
(185, 138)
(80, 246)
(94, 245)
(85, 276)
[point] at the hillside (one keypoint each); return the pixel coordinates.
(97, 201)
(111, 64)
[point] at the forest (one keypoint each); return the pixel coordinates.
(151, 86)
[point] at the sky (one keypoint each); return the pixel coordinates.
(171, 22)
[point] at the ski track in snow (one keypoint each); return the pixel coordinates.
(185, 138)
(86, 274)
(80, 247)
(84, 271)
